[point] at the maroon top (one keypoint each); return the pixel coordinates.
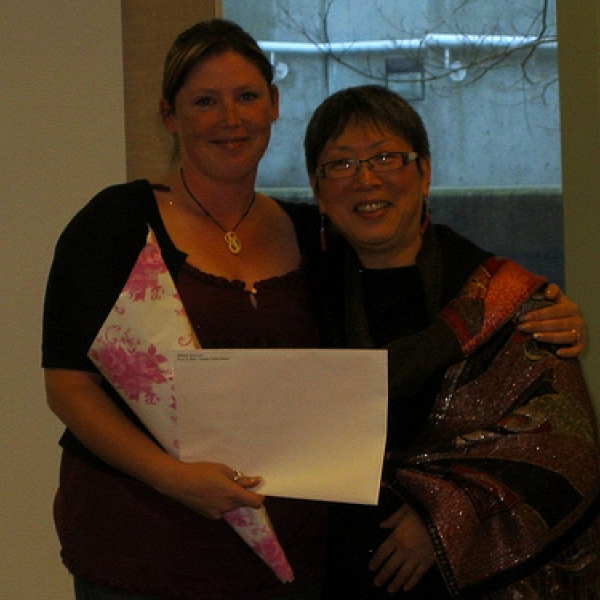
(278, 314)
(119, 532)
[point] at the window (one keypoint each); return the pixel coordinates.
(482, 74)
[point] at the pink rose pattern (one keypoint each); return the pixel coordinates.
(144, 278)
(125, 353)
(132, 371)
(254, 527)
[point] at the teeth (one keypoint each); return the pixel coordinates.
(372, 207)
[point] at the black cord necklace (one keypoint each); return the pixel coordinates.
(231, 239)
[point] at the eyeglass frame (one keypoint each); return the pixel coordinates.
(407, 159)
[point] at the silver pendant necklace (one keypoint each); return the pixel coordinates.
(231, 239)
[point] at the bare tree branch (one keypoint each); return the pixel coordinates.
(477, 61)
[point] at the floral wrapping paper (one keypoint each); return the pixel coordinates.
(133, 352)
(254, 527)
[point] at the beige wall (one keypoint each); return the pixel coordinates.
(579, 72)
(62, 139)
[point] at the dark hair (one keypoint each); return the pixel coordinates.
(371, 104)
(203, 40)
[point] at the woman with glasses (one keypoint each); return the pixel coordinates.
(491, 483)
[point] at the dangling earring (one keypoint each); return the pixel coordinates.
(322, 233)
(425, 215)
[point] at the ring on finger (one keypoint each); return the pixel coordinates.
(577, 336)
(238, 475)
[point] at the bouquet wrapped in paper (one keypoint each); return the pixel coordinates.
(133, 352)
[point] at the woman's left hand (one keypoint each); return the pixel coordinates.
(560, 323)
(406, 555)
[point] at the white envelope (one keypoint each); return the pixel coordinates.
(311, 423)
(133, 351)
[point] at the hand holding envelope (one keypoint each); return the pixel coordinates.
(132, 350)
(310, 422)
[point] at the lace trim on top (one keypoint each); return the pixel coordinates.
(291, 278)
(278, 312)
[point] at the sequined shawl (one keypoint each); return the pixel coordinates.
(506, 473)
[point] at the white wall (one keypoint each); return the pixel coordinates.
(61, 140)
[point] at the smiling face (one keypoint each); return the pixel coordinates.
(222, 116)
(378, 213)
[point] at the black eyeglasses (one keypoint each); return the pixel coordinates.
(380, 163)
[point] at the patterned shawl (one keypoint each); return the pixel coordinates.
(506, 474)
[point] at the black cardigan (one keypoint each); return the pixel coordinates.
(93, 259)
